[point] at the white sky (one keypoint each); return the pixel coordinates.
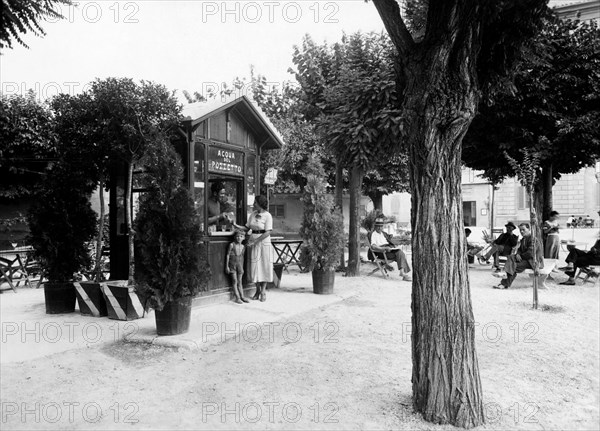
(185, 45)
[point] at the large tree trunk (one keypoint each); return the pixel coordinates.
(377, 198)
(339, 201)
(439, 106)
(546, 186)
(356, 177)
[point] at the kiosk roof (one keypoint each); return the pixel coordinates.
(267, 133)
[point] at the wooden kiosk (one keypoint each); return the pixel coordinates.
(221, 141)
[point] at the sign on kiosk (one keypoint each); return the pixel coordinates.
(225, 161)
(271, 176)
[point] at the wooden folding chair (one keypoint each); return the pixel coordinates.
(381, 263)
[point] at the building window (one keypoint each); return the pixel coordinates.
(522, 198)
(277, 211)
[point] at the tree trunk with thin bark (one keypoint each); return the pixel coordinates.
(98, 264)
(339, 200)
(356, 176)
(129, 221)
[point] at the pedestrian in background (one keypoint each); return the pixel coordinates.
(551, 236)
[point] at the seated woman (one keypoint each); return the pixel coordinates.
(381, 244)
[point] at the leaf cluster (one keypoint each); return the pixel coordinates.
(133, 114)
(349, 91)
(22, 16)
(553, 108)
(27, 145)
(170, 259)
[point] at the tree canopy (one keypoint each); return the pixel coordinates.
(22, 16)
(27, 145)
(553, 108)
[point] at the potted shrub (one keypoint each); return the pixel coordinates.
(170, 265)
(61, 223)
(321, 230)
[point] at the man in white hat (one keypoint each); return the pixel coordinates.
(381, 243)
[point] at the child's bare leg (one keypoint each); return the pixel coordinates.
(235, 288)
(241, 286)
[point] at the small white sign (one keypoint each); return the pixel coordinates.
(271, 176)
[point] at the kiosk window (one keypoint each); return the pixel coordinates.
(225, 198)
(250, 184)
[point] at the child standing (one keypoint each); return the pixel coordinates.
(234, 265)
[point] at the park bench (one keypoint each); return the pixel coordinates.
(549, 265)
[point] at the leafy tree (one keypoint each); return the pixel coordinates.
(27, 145)
(79, 134)
(526, 171)
(132, 116)
(553, 110)
(388, 178)
(349, 89)
(361, 120)
(21, 16)
(467, 48)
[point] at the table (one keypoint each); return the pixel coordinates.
(287, 251)
(13, 266)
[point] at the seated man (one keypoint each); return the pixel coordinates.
(381, 243)
(502, 246)
(580, 259)
(523, 259)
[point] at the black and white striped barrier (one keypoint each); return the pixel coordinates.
(122, 302)
(90, 297)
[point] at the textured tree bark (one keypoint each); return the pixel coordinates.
(356, 177)
(445, 377)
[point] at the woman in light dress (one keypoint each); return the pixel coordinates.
(260, 251)
(552, 239)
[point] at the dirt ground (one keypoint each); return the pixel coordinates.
(343, 366)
